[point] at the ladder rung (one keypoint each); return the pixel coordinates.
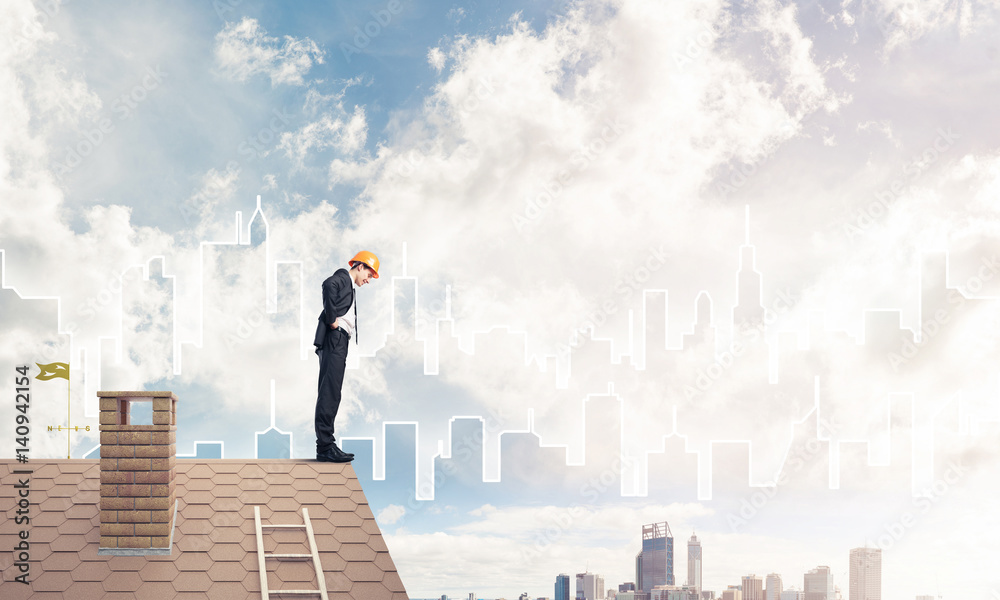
(283, 526)
(302, 556)
(300, 592)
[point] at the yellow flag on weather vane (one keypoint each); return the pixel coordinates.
(53, 370)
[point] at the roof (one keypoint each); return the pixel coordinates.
(215, 543)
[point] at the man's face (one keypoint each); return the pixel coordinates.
(364, 274)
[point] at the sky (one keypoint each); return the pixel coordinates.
(729, 266)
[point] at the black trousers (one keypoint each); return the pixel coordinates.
(332, 364)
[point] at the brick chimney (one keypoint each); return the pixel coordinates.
(138, 463)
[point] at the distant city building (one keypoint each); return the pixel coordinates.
(562, 587)
(866, 574)
(792, 594)
(472, 596)
(588, 586)
(626, 587)
(773, 589)
(707, 595)
(654, 565)
(818, 584)
(733, 592)
(694, 562)
(753, 588)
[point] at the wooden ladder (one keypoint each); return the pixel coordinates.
(313, 554)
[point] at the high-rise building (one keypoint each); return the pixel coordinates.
(753, 588)
(562, 587)
(773, 590)
(654, 565)
(818, 584)
(588, 586)
(628, 586)
(472, 596)
(866, 574)
(733, 592)
(694, 562)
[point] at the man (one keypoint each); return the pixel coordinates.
(337, 325)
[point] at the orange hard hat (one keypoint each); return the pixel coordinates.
(368, 258)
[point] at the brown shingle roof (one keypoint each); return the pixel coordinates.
(215, 546)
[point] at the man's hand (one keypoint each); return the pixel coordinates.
(334, 324)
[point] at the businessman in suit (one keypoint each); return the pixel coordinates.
(338, 323)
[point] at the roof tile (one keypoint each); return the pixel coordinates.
(159, 571)
(297, 571)
(252, 472)
(254, 497)
(356, 552)
(192, 581)
(200, 472)
(226, 535)
(226, 491)
(391, 580)
(363, 571)
(193, 561)
(122, 581)
(227, 571)
(370, 590)
(61, 561)
(52, 581)
(193, 543)
(351, 534)
(340, 505)
(227, 553)
(273, 479)
(227, 590)
(336, 581)
(221, 504)
(303, 471)
(251, 582)
(91, 571)
(155, 589)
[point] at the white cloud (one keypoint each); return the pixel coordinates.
(390, 514)
(346, 134)
(436, 58)
(244, 49)
(902, 22)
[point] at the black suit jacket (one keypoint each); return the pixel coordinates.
(338, 294)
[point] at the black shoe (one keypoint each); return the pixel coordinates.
(336, 448)
(334, 455)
